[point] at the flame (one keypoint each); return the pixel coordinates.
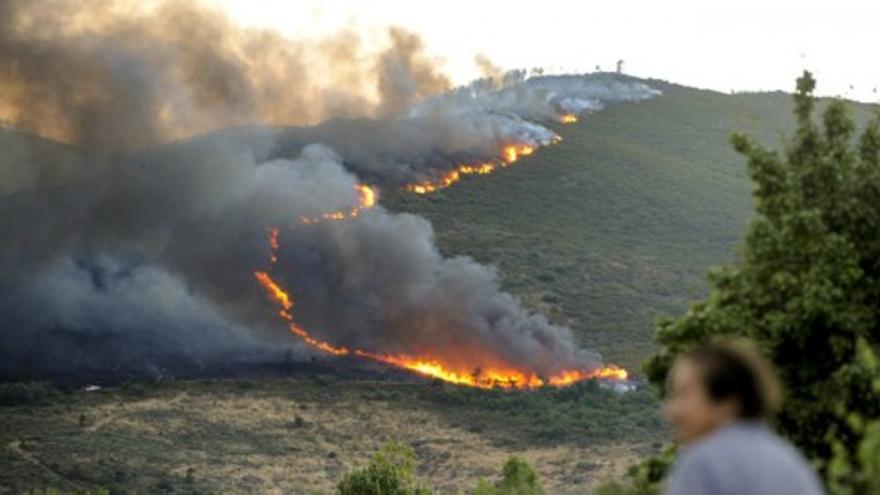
(498, 376)
(610, 372)
(275, 292)
(568, 118)
(367, 196)
(273, 245)
(317, 344)
(366, 200)
(509, 154)
(451, 177)
(512, 152)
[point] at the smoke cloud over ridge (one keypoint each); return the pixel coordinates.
(127, 249)
(115, 74)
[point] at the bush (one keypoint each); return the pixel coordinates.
(26, 393)
(518, 478)
(390, 472)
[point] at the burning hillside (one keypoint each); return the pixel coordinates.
(484, 374)
(151, 256)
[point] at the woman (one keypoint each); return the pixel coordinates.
(721, 397)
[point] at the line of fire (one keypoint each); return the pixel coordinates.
(505, 375)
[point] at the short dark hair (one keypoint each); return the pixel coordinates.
(737, 371)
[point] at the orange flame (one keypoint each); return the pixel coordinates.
(508, 378)
(451, 177)
(318, 344)
(509, 154)
(275, 291)
(366, 200)
(568, 118)
(284, 300)
(273, 245)
(512, 152)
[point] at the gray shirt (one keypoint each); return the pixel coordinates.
(744, 458)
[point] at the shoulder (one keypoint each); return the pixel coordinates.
(707, 466)
(743, 459)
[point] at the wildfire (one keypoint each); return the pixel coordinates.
(568, 118)
(499, 377)
(502, 376)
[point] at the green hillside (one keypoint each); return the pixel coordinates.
(619, 222)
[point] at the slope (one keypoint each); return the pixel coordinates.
(618, 223)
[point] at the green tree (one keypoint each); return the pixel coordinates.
(390, 472)
(806, 289)
(642, 479)
(517, 478)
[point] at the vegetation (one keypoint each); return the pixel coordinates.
(303, 435)
(390, 472)
(583, 413)
(26, 393)
(806, 291)
(517, 478)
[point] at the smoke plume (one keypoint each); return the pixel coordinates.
(115, 74)
(126, 248)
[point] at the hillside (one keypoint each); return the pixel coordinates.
(602, 232)
(618, 223)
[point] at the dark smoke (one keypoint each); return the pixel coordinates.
(115, 254)
(112, 74)
(380, 283)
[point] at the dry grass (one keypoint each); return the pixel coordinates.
(231, 436)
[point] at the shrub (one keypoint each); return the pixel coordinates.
(390, 472)
(518, 478)
(26, 393)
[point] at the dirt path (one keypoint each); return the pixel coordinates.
(144, 404)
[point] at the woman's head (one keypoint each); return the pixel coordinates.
(718, 384)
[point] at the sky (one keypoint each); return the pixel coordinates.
(746, 45)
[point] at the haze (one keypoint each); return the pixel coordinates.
(748, 45)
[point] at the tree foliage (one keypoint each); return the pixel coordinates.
(390, 472)
(518, 478)
(807, 289)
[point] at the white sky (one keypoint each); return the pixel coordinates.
(729, 45)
